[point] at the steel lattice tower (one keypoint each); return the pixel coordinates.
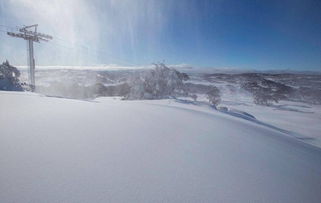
(31, 36)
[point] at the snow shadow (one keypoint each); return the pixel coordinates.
(246, 116)
(285, 107)
(249, 117)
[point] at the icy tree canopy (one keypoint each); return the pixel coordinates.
(157, 83)
(9, 77)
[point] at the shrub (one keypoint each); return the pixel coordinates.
(214, 96)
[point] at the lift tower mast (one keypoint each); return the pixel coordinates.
(31, 36)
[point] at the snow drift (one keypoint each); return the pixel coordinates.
(109, 150)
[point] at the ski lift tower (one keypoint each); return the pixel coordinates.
(30, 34)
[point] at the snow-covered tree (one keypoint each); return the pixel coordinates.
(214, 96)
(160, 82)
(9, 77)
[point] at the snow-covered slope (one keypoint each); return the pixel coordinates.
(108, 150)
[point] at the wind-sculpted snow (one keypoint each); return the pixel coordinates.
(263, 88)
(111, 150)
(157, 83)
(289, 101)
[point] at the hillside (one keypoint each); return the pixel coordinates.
(107, 150)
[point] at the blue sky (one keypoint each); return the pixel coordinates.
(208, 33)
